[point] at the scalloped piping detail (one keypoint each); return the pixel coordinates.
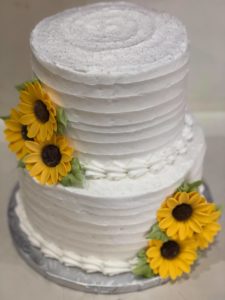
(90, 264)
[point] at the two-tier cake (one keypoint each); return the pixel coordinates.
(119, 72)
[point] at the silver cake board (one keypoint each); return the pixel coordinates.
(74, 277)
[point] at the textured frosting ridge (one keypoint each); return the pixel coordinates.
(120, 73)
(69, 258)
(103, 226)
(134, 168)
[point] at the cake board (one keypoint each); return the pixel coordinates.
(74, 277)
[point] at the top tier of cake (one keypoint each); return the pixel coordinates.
(120, 72)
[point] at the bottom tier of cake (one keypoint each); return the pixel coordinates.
(103, 226)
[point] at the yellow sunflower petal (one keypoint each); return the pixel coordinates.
(50, 182)
(27, 119)
(33, 130)
(215, 227)
(171, 231)
(182, 232)
(191, 256)
(173, 271)
(67, 166)
(32, 158)
(202, 217)
(215, 215)
(163, 212)
(13, 125)
(194, 225)
(155, 243)
(14, 114)
(13, 137)
(54, 175)
(44, 131)
(166, 222)
(171, 203)
(32, 146)
(44, 176)
(26, 108)
(164, 269)
(39, 89)
(62, 170)
(183, 198)
(66, 158)
(156, 262)
(16, 146)
(152, 252)
(183, 265)
(36, 169)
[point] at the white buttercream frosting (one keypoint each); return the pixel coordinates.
(69, 258)
(120, 73)
(103, 226)
(108, 42)
(136, 167)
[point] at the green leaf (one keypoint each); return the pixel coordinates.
(76, 166)
(4, 118)
(142, 268)
(76, 177)
(141, 253)
(68, 180)
(61, 120)
(22, 86)
(189, 187)
(182, 188)
(71, 180)
(193, 187)
(21, 164)
(156, 233)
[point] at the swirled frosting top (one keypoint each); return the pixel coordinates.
(109, 43)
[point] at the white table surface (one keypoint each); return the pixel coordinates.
(207, 282)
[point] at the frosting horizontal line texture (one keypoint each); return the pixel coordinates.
(138, 135)
(120, 72)
(89, 262)
(101, 227)
(125, 118)
(135, 168)
(123, 90)
(100, 91)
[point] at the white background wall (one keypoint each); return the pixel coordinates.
(204, 19)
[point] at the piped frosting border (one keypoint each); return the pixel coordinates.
(89, 264)
(153, 163)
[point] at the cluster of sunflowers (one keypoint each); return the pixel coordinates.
(35, 132)
(186, 223)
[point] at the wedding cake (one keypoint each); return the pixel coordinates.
(119, 72)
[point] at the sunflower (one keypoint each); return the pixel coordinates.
(171, 258)
(210, 230)
(38, 112)
(49, 161)
(207, 235)
(16, 134)
(183, 214)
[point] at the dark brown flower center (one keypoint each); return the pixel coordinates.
(51, 155)
(182, 212)
(24, 133)
(41, 112)
(170, 249)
